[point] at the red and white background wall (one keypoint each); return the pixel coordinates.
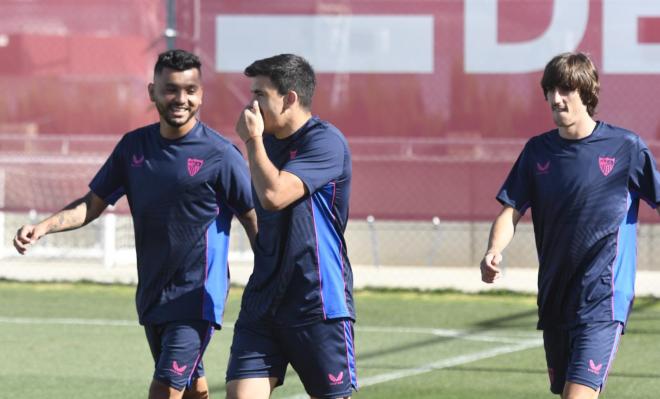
(436, 97)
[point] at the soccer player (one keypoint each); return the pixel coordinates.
(297, 307)
(184, 183)
(583, 182)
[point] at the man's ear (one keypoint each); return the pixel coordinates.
(150, 89)
(290, 99)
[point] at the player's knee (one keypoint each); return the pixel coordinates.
(196, 394)
(233, 390)
(199, 389)
(580, 396)
(583, 395)
(251, 388)
(576, 391)
(159, 390)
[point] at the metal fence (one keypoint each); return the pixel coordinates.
(414, 202)
(108, 242)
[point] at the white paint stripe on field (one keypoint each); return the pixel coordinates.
(505, 337)
(365, 382)
(511, 337)
(441, 364)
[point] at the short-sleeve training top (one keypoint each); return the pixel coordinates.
(584, 196)
(182, 194)
(301, 272)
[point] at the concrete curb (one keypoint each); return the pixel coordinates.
(404, 277)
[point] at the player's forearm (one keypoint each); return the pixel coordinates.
(265, 176)
(501, 235)
(76, 214)
(249, 222)
(502, 231)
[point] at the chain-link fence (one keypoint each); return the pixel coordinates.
(370, 242)
(421, 203)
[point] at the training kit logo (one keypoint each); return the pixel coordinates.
(336, 380)
(593, 368)
(542, 169)
(136, 162)
(606, 165)
(178, 370)
(292, 154)
(194, 165)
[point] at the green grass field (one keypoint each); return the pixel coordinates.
(82, 341)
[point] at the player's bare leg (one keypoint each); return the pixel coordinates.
(251, 388)
(158, 390)
(199, 389)
(578, 391)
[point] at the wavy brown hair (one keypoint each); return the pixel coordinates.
(573, 71)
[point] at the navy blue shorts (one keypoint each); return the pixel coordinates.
(177, 348)
(323, 355)
(581, 355)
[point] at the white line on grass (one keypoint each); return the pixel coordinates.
(441, 364)
(524, 341)
(505, 337)
(508, 337)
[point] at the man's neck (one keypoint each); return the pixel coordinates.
(578, 130)
(293, 125)
(170, 132)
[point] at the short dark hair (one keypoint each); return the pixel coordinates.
(573, 71)
(287, 72)
(179, 60)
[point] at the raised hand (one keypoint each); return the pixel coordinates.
(250, 123)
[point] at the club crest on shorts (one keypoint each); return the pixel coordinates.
(194, 165)
(606, 165)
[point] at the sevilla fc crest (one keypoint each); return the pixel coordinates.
(606, 165)
(194, 165)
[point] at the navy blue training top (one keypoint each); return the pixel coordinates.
(584, 195)
(301, 272)
(182, 194)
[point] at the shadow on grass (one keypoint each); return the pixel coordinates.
(508, 321)
(519, 319)
(402, 348)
